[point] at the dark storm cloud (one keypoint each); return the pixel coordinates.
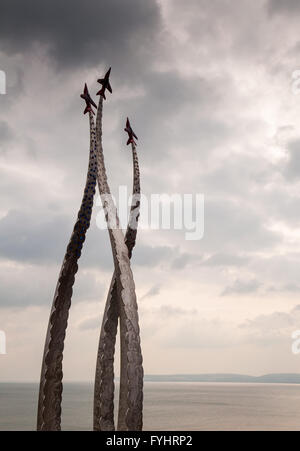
(171, 91)
(284, 6)
(178, 112)
(195, 112)
(81, 32)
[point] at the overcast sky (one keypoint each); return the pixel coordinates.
(209, 90)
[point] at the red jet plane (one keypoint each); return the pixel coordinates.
(105, 84)
(88, 100)
(131, 134)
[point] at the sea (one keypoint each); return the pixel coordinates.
(168, 406)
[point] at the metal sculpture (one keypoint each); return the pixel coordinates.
(131, 379)
(121, 302)
(50, 394)
(105, 84)
(104, 379)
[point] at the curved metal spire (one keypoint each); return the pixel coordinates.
(104, 378)
(50, 394)
(131, 390)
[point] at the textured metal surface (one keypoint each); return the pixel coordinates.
(104, 378)
(50, 395)
(131, 361)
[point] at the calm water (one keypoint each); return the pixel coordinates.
(169, 406)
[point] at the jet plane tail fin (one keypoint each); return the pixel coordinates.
(87, 109)
(101, 93)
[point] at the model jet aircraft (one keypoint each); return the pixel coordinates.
(88, 100)
(105, 84)
(131, 134)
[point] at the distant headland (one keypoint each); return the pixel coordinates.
(275, 378)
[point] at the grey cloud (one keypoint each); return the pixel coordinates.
(183, 260)
(292, 169)
(96, 252)
(241, 287)
(88, 287)
(193, 331)
(214, 25)
(90, 324)
(205, 98)
(282, 205)
(99, 253)
(154, 290)
(32, 238)
(289, 288)
(196, 332)
(165, 320)
(230, 225)
(167, 311)
(178, 110)
(239, 171)
(164, 118)
(273, 328)
(273, 321)
(270, 276)
(283, 6)
(6, 133)
(21, 286)
(42, 237)
(223, 259)
(145, 255)
(82, 32)
(278, 270)
(265, 330)
(172, 91)
(151, 256)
